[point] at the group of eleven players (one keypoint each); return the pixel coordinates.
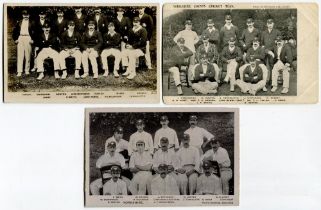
(143, 166)
(84, 38)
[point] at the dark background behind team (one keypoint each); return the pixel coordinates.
(175, 23)
(102, 125)
(148, 80)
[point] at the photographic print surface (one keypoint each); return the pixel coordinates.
(239, 53)
(81, 53)
(161, 157)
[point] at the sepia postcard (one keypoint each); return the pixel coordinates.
(161, 157)
(240, 53)
(81, 53)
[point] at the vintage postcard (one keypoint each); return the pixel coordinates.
(161, 157)
(81, 53)
(240, 53)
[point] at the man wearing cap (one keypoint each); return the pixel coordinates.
(23, 35)
(147, 22)
(180, 57)
(140, 165)
(231, 56)
(121, 144)
(91, 43)
(115, 186)
(122, 26)
(168, 157)
(70, 44)
(212, 54)
(248, 35)
(112, 43)
(252, 78)
(168, 133)
(191, 38)
(135, 48)
(268, 37)
(189, 159)
(228, 30)
(60, 25)
(140, 134)
(38, 32)
(203, 77)
(259, 53)
(283, 59)
(100, 20)
(163, 184)
(47, 43)
(197, 134)
(80, 20)
(219, 154)
(208, 183)
(108, 159)
(212, 33)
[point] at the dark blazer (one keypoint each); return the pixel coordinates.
(52, 41)
(138, 39)
(285, 56)
(259, 53)
(16, 30)
(148, 21)
(214, 36)
(268, 39)
(248, 75)
(95, 41)
(212, 53)
(111, 41)
(70, 42)
(123, 26)
(247, 37)
(59, 28)
(179, 57)
(210, 73)
(80, 23)
(38, 27)
(102, 24)
(226, 54)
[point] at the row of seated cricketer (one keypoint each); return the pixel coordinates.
(124, 39)
(250, 61)
(163, 166)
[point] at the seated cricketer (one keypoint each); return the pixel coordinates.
(252, 78)
(115, 186)
(164, 184)
(204, 74)
(91, 43)
(231, 55)
(70, 44)
(180, 57)
(111, 45)
(169, 157)
(283, 58)
(220, 155)
(108, 159)
(208, 183)
(140, 165)
(48, 45)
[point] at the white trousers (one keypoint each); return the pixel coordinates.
(23, 52)
(175, 74)
(130, 56)
(249, 86)
(66, 53)
(92, 56)
(230, 72)
(108, 52)
(192, 180)
(226, 176)
(147, 55)
(279, 66)
(141, 182)
(47, 53)
(205, 87)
